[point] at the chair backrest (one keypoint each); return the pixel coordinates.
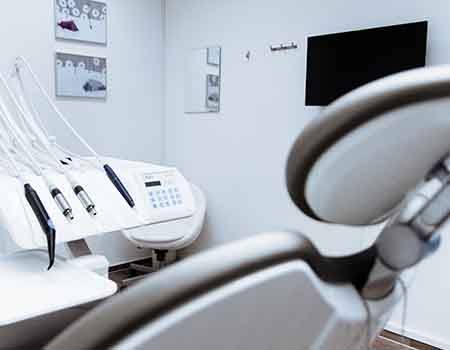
(284, 307)
(260, 293)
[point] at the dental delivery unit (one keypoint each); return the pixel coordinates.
(37, 161)
(52, 196)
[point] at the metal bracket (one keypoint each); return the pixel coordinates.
(284, 47)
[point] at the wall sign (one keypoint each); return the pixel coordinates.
(81, 20)
(80, 76)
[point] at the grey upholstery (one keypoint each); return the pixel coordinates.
(353, 110)
(180, 283)
(122, 314)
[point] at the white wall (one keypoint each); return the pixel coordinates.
(238, 156)
(127, 125)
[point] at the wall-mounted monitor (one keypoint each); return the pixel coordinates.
(338, 63)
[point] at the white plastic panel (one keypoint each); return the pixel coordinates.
(114, 214)
(175, 234)
(29, 290)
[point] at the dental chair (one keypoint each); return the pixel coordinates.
(376, 156)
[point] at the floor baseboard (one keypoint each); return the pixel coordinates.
(391, 341)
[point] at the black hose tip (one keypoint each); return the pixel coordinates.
(51, 247)
(45, 221)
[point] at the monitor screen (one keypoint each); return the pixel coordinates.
(338, 63)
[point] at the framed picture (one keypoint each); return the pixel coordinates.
(213, 56)
(213, 92)
(81, 20)
(80, 76)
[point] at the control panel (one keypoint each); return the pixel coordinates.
(168, 195)
(163, 196)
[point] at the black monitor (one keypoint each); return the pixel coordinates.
(338, 63)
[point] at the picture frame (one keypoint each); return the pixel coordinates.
(80, 76)
(81, 20)
(213, 92)
(213, 55)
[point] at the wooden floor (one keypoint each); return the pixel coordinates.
(390, 341)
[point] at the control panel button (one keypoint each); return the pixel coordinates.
(163, 192)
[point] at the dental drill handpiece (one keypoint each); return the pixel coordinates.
(38, 208)
(44, 220)
(26, 112)
(57, 195)
(414, 233)
(113, 177)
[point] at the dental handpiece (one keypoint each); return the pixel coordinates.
(44, 220)
(84, 198)
(62, 203)
(119, 185)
